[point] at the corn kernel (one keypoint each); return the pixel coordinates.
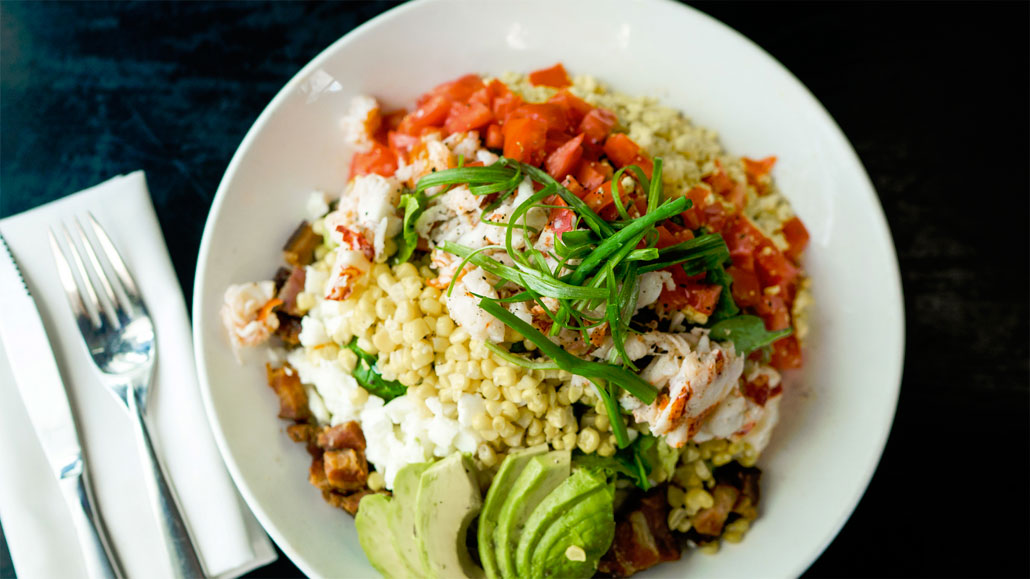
(677, 517)
(509, 410)
(415, 330)
(697, 499)
(406, 270)
(459, 335)
(675, 496)
(481, 422)
(430, 306)
(606, 448)
(359, 396)
(376, 481)
(444, 326)
(504, 376)
(457, 352)
(347, 360)
(412, 287)
(385, 308)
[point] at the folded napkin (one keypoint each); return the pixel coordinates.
(37, 526)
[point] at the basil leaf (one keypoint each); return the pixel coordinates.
(726, 308)
(747, 333)
(414, 204)
(366, 372)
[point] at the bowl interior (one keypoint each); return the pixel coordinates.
(836, 419)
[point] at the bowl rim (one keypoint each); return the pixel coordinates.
(879, 222)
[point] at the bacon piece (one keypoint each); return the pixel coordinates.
(293, 400)
(289, 328)
(346, 470)
(288, 290)
(711, 520)
(341, 436)
(300, 248)
(642, 538)
(303, 432)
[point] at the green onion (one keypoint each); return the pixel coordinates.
(623, 378)
(519, 360)
(617, 241)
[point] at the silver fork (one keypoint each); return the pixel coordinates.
(119, 335)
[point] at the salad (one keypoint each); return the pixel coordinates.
(540, 333)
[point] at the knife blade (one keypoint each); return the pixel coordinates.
(46, 402)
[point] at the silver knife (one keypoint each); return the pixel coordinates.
(42, 391)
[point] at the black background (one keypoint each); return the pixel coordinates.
(934, 96)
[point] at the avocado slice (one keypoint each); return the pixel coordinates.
(589, 527)
(539, 477)
(401, 520)
(373, 513)
(448, 501)
(498, 494)
(563, 505)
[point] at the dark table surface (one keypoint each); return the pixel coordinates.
(933, 96)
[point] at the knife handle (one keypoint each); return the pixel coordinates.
(101, 560)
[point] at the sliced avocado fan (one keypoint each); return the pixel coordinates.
(448, 501)
(496, 497)
(401, 521)
(373, 514)
(541, 475)
(578, 513)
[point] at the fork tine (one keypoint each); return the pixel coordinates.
(91, 294)
(71, 289)
(117, 307)
(115, 260)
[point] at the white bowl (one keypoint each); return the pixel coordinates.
(834, 424)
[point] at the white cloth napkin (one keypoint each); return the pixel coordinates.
(37, 526)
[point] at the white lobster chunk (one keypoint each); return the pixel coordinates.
(241, 314)
(651, 285)
(368, 208)
(692, 374)
(361, 122)
(464, 308)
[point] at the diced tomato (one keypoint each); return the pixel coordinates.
(483, 96)
(786, 354)
(561, 218)
(796, 234)
(745, 287)
(554, 76)
(694, 217)
(524, 140)
(773, 311)
(670, 234)
(699, 296)
(596, 125)
(576, 107)
(379, 159)
(494, 137)
(756, 170)
(600, 198)
(464, 117)
(621, 150)
(392, 119)
(430, 113)
(459, 89)
(561, 162)
(742, 238)
(725, 187)
(591, 174)
(773, 267)
(401, 143)
(553, 116)
(504, 101)
(645, 164)
(573, 186)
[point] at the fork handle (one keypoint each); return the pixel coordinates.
(174, 532)
(101, 560)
